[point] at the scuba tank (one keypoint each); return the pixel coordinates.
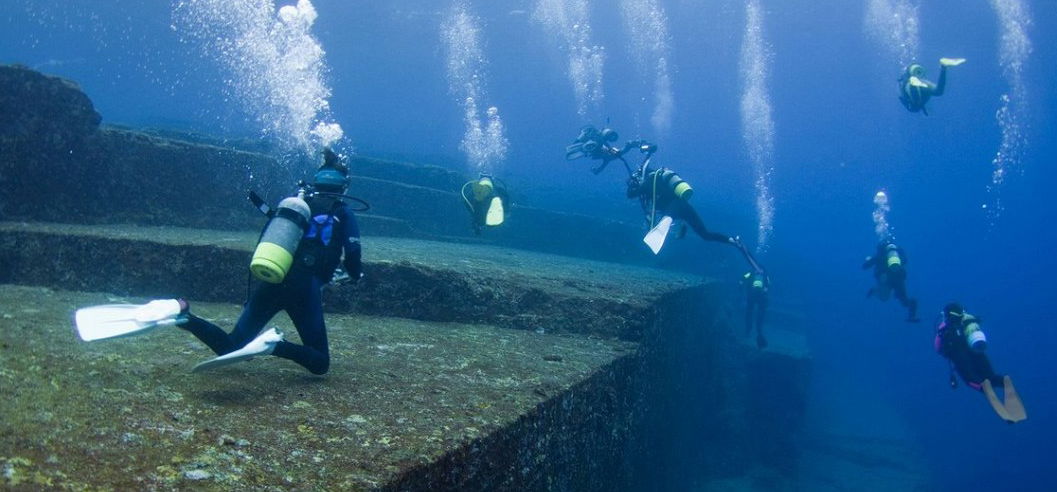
(680, 188)
(974, 335)
(892, 257)
(275, 250)
(482, 188)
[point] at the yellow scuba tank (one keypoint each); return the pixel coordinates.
(892, 257)
(974, 335)
(482, 188)
(680, 187)
(275, 251)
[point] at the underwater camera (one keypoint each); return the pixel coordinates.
(590, 143)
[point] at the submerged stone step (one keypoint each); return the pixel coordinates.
(409, 278)
(660, 393)
(407, 404)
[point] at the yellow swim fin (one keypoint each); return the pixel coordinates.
(916, 82)
(992, 398)
(1014, 407)
(495, 212)
(951, 62)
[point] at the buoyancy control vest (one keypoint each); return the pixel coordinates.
(320, 249)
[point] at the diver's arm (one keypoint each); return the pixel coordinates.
(870, 261)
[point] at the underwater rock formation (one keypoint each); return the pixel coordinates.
(660, 393)
(57, 164)
(456, 366)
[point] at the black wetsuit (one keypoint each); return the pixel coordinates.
(658, 198)
(914, 98)
(756, 287)
(893, 276)
(973, 366)
(479, 209)
(299, 294)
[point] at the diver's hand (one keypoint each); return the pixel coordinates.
(341, 277)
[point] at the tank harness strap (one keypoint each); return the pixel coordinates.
(653, 202)
(463, 193)
(293, 216)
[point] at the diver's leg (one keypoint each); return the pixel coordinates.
(761, 309)
(260, 308)
(306, 311)
(937, 90)
(684, 211)
(212, 335)
(749, 305)
(265, 302)
(981, 366)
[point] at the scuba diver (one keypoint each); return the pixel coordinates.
(915, 91)
(595, 144)
(960, 339)
(663, 195)
(487, 200)
(889, 270)
(299, 250)
(756, 283)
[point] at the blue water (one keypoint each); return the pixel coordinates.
(839, 136)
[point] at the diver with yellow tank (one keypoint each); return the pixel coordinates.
(306, 238)
(487, 201)
(663, 194)
(299, 251)
(915, 90)
(961, 340)
(889, 271)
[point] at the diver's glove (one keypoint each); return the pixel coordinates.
(341, 277)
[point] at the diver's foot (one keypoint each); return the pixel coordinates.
(761, 342)
(735, 240)
(264, 344)
(951, 62)
(158, 310)
(185, 307)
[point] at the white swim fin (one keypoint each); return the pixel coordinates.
(951, 62)
(264, 344)
(916, 82)
(122, 320)
(495, 212)
(655, 238)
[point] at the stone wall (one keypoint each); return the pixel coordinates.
(58, 164)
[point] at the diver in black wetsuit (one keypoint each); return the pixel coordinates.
(953, 337)
(889, 270)
(331, 232)
(756, 283)
(661, 192)
(487, 200)
(960, 339)
(915, 90)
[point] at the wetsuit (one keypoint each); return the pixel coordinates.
(479, 208)
(756, 287)
(973, 366)
(333, 230)
(914, 98)
(658, 198)
(890, 273)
